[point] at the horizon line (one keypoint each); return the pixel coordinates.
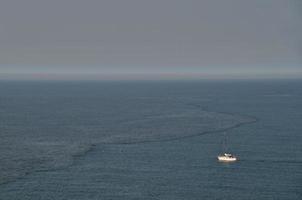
(145, 76)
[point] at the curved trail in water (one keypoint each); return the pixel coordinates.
(253, 119)
(90, 147)
(73, 158)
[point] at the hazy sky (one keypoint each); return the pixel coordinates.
(172, 37)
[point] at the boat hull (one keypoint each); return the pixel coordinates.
(226, 159)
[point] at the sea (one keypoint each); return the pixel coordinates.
(150, 140)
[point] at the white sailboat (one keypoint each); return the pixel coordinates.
(226, 157)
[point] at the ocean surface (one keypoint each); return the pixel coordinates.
(150, 140)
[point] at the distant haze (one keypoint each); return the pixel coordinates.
(150, 39)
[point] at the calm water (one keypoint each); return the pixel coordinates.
(150, 140)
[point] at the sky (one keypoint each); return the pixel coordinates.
(110, 39)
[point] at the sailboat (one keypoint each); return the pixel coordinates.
(226, 157)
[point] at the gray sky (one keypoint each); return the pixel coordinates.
(136, 37)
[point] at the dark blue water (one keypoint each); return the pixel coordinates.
(150, 140)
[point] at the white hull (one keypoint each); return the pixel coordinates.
(227, 158)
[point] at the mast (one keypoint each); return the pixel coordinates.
(224, 143)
